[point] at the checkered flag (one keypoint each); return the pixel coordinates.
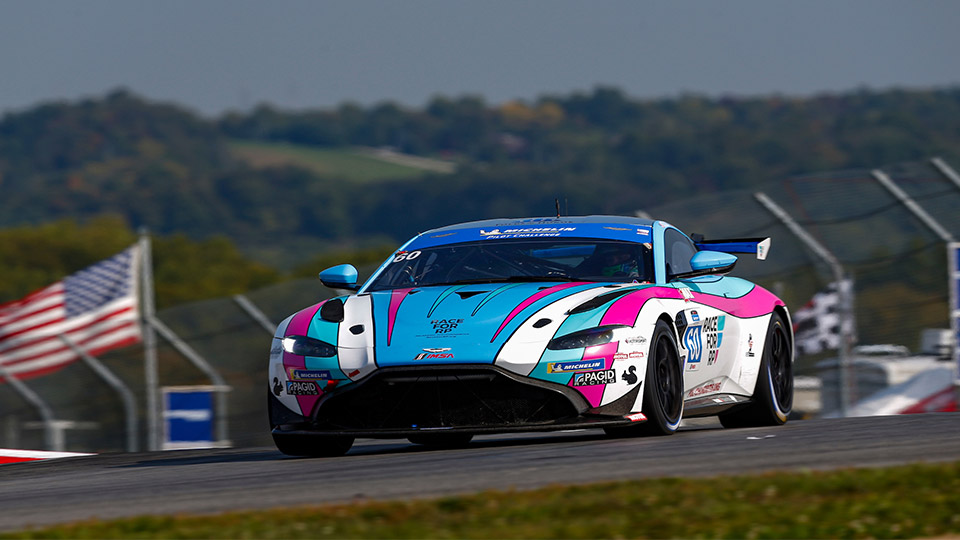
(818, 325)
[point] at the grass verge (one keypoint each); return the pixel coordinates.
(340, 163)
(900, 502)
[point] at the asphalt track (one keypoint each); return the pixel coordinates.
(210, 481)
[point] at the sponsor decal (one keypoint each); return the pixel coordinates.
(353, 373)
(704, 389)
(636, 354)
(686, 293)
(277, 348)
(309, 374)
(630, 376)
(713, 336)
(644, 232)
(694, 316)
(277, 387)
(620, 356)
(749, 345)
(693, 343)
(635, 340)
(302, 388)
(443, 235)
(434, 355)
(580, 365)
(526, 232)
(636, 417)
(593, 378)
(445, 326)
(704, 340)
(618, 228)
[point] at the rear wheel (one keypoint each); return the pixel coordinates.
(312, 445)
(442, 440)
(773, 394)
(662, 389)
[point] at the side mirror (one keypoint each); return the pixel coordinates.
(342, 276)
(706, 263)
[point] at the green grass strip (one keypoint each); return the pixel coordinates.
(340, 163)
(899, 502)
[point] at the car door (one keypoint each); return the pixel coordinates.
(709, 336)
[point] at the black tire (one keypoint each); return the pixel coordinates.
(773, 394)
(312, 445)
(442, 440)
(662, 389)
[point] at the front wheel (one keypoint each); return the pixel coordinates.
(773, 395)
(662, 389)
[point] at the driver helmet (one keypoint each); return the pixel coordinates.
(618, 261)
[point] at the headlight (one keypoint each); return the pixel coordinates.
(584, 338)
(307, 346)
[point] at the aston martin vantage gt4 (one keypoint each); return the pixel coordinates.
(541, 324)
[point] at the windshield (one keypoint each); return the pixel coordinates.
(568, 259)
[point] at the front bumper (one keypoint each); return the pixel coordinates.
(403, 401)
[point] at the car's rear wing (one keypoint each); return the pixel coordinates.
(760, 246)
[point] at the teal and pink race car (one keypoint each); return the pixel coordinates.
(540, 324)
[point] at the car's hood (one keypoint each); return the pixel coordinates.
(464, 323)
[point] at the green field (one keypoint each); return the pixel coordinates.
(900, 502)
(357, 165)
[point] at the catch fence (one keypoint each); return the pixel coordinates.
(897, 262)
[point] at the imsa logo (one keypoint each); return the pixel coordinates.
(434, 353)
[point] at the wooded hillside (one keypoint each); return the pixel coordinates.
(162, 167)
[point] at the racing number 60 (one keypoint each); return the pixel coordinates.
(406, 256)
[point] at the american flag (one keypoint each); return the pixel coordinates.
(95, 308)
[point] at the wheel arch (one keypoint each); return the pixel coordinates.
(672, 323)
(781, 310)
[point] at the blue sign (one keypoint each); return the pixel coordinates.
(188, 417)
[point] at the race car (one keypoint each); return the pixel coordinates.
(536, 324)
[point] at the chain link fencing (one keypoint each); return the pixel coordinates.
(897, 263)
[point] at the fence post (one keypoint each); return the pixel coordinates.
(203, 366)
(846, 296)
(150, 370)
(46, 415)
(254, 312)
(126, 396)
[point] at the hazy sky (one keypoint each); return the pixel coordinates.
(214, 55)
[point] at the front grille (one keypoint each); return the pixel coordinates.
(403, 399)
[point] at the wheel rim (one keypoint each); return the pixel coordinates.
(667, 379)
(781, 370)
